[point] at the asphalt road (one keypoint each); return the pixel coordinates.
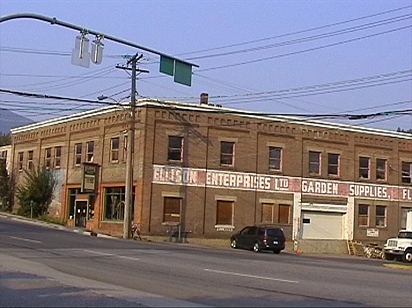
(47, 267)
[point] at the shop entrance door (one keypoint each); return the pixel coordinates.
(80, 213)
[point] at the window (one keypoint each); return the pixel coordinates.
(380, 169)
(275, 158)
(363, 215)
(314, 162)
(404, 213)
(283, 216)
(364, 167)
(273, 213)
(406, 172)
(89, 151)
(30, 165)
(47, 157)
(380, 216)
(114, 198)
(78, 154)
(171, 209)
(224, 213)
(3, 155)
(114, 149)
(333, 164)
(20, 160)
(57, 156)
(175, 149)
(227, 151)
(125, 148)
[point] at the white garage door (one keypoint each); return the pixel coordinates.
(322, 225)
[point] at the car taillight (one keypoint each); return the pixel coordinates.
(265, 238)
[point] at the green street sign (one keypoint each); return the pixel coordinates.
(181, 71)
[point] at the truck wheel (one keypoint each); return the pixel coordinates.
(389, 257)
(407, 256)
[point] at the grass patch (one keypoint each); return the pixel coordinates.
(404, 266)
(52, 219)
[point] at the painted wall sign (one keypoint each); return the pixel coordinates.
(174, 175)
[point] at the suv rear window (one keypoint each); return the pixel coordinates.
(274, 232)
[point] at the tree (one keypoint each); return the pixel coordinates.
(37, 192)
(6, 188)
(404, 130)
(5, 139)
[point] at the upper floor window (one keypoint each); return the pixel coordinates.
(314, 162)
(380, 216)
(363, 215)
(275, 158)
(364, 163)
(89, 151)
(381, 169)
(30, 164)
(125, 142)
(114, 149)
(406, 172)
(47, 157)
(175, 148)
(20, 160)
(78, 151)
(333, 164)
(57, 156)
(227, 153)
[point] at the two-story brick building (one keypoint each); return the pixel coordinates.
(214, 170)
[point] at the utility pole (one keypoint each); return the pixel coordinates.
(130, 148)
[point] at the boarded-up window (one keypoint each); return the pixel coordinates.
(171, 209)
(268, 212)
(224, 213)
(283, 213)
(363, 215)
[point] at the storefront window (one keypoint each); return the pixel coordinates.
(114, 202)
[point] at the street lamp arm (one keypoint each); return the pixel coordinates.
(55, 21)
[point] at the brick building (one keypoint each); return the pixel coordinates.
(213, 170)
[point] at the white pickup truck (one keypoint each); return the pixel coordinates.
(399, 247)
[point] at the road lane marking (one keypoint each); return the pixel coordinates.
(111, 255)
(250, 276)
(25, 239)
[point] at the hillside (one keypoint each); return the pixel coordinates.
(9, 119)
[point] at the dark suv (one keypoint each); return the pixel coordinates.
(260, 237)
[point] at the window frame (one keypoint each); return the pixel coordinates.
(275, 161)
(364, 168)
(89, 151)
(381, 216)
(406, 172)
(78, 154)
(114, 151)
(379, 169)
(363, 215)
(174, 152)
(334, 165)
(57, 156)
(227, 153)
(30, 158)
(223, 219)
(317, 163)
(172, 210)
(48, 157)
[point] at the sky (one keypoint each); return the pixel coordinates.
(322, 59)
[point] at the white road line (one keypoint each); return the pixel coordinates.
(111, 255)
(250, 276)
(25, 239)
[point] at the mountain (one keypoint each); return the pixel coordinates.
(10, 120)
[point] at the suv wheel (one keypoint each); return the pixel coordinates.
(233, 244)
(389, 257)
(256, 247)
(276, 251)
(407, 256)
